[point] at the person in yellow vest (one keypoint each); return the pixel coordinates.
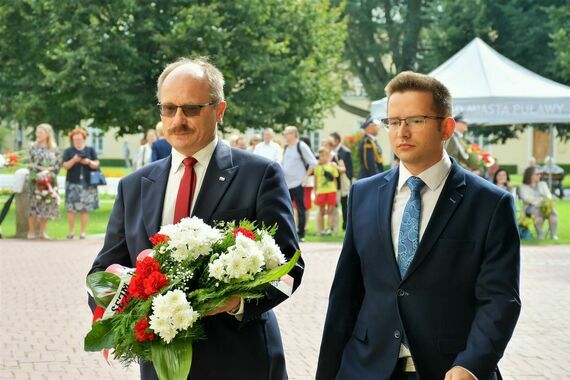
(326, 173)
(370, 152)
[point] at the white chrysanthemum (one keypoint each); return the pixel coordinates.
(160, 308)
(255, 262)
(171, 313)
(236, 266)
(175, 297)
(168, 334)
(216, 269)
(190, 238)
(271, 252)
(184, 319)
(159, 324)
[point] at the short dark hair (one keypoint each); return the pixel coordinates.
(528, 173)
(497, 173)
(335, 136)
(411, 81)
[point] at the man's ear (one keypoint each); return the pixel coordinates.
(220, 109)
(448, 126)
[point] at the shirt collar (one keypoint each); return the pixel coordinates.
(433, 176)
(202, 156)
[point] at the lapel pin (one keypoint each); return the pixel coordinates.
(222, 179)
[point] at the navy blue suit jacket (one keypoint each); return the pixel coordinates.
(253, 188)
(457, 304)
(160, 149)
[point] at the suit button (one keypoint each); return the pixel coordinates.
(401, 293)
(397, 334)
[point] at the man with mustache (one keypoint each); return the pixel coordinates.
(204, 177)
(427, 282)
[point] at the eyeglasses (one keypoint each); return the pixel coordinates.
(189, 110)
(414, 122)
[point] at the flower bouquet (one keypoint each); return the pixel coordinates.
(547, 208)
(154, 312)
(478, 159)
(44, 186)
(9, 159)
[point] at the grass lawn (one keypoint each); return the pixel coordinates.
(99, 218)
(57, 229)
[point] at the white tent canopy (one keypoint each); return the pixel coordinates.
(488, 88)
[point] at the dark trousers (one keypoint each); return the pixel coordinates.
(343, 205)
(298, 196)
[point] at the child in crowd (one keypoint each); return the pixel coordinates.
(326, 173)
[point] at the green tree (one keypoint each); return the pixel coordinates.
(102, 59)
(559, 19)
(383, 39)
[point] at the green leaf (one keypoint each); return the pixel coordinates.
(103, 286)
(172, 361)
(101, 336)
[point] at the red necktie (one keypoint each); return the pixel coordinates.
(186, 190)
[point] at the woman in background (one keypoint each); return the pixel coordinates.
(80, 196)
(45, 161)
(502, 180)
(537, 202)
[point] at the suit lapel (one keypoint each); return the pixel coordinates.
(449, 199)
(153, 189)
(386, 192)
(218, 177)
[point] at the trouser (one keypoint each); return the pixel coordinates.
(552, 224)
(298, 196)
(343, 206)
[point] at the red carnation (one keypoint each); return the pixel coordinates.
(154, 283)
(136, 288)
(147, 279)
(159, 239)
(141, 333)
(146, 266)
(245, 232)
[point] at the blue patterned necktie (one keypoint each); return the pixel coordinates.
(409, 236)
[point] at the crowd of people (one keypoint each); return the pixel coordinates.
(316, 178)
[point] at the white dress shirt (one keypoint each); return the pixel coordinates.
(434, 178)
(271, 151)
(203, 158)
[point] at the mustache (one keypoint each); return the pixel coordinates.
(179, 129)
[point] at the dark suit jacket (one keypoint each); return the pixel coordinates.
(345, 155)
(457, 304)
(160, 149)
(253, 188)
(370, 155)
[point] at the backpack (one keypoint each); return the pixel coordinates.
(300, 154)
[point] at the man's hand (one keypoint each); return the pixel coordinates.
(230, 305)
(459, 373)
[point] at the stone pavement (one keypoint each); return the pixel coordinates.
(44, 316)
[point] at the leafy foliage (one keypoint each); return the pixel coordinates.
(70, 61)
